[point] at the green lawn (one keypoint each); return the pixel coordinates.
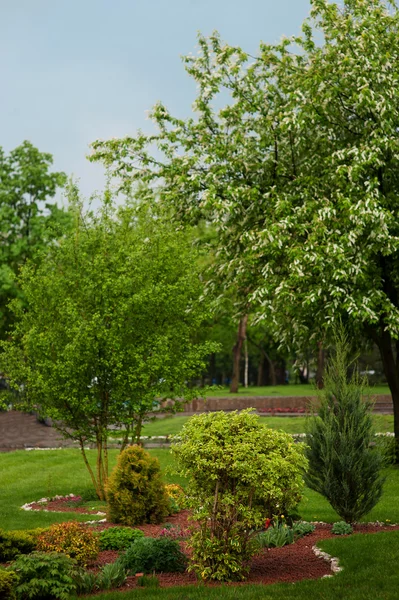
(173, 424)
(369, 573)
(282, 390)
(28, 476)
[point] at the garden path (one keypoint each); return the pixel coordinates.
(21, 430)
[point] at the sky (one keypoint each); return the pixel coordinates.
(77, 70)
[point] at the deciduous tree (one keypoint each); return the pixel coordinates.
(108, 328)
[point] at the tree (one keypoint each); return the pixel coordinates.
(27, 221)
(239, 473)
(297, 172)
(107, 330)
(342, 466)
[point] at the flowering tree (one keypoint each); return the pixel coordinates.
(298, 173)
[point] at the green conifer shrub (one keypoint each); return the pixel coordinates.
(343, 467)
(135, 491)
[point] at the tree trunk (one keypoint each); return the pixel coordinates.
(241, 335)
(321, 355)
(246, 363)
(272, 369)
(391, 369)
(260, 371)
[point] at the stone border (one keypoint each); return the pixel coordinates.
(332, 560)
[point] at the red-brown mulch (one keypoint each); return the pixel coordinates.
(289, 564)
(64, 505)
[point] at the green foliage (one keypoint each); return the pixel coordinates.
(8, 582)
(135, 492)
(292, 159)
(176, 497)
(341, 528)
(159, 555)
(44, 576)
(112, 575)
(302, 528)
(72, 539)
(86, 582)
(28, 223)
(281, 534)
(150, 581)
(109, 326)
(386, 446)
(277, 536)
(13, 543)
(342, 466)
(239, 473)
(118, 538)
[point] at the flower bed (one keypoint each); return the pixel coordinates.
(290, 563)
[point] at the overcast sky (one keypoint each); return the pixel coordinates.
(76, 70)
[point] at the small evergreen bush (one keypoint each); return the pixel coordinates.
(118, 538)
(44, 576)
(135, 491)
(342, 466)
(8, 583)
(73, 539)
(159, 555)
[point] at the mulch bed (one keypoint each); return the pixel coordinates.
(289, 564)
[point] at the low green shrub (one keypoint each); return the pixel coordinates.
(341, 528)
(277, 536)
(73, 539)
(44, 576)
(150, 581)
(281, 534)
(135, 491)
(86, 582)
(149, 555)
(111, 576)
(8, 583)
(118, 538)
(215, 558)
(14, 543)
(302, 528)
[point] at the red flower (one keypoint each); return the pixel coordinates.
(267, 523)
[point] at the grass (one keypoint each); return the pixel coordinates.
(307, 389)
(369, 573)
(28, 476)
(173, 424)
